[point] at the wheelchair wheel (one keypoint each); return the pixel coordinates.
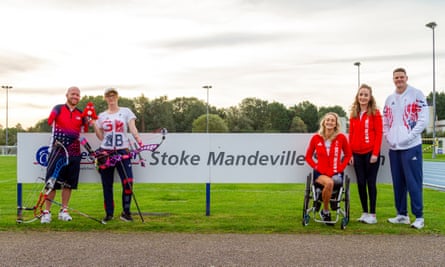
(307, 199)
(345, 220)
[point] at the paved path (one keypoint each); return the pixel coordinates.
(174, 249)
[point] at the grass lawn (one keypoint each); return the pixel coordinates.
(428, 154)
(235, 208)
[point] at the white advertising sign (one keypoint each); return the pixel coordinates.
(197, 158)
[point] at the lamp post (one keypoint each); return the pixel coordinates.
(358, 73)
(433, 25)
(207, 87)
(7, 87)
(207, 124)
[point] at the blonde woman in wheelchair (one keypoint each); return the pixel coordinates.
(328, 154)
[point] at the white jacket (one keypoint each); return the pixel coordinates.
(405, 116)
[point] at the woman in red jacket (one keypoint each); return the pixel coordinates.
(328, 154)
(365, 137)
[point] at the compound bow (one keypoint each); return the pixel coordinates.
(58, 158)
(107, 158)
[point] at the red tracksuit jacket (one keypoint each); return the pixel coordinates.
(365, 134)
(337, 160)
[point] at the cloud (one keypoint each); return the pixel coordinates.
(224, 40)
(283, 50)
(19, 62)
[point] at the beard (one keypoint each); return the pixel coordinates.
(73, 101)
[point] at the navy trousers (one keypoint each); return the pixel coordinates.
(407, 177)
(126, 176)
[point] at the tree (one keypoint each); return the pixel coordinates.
(256, 111)
(12, 134)
(185, 111)
(41, 126)
(159, 114)
(251, 115)
(337, 109)
(298, 126)
(309, 114)
(2, 135)
(140, 107)
(278, 118)
(216, 124)
(236, 121)
(440, 104)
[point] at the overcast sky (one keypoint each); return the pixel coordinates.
(287, 51)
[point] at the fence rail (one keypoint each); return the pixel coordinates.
(8, 150)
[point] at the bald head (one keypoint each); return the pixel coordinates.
(72, 96)
(72, 88)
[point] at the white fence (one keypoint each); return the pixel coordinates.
(8, 150)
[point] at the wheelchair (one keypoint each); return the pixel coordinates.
(339, 202)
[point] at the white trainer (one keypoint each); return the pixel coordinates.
(362, 218)
(399, 219)
(370, 219)
(46, 217)
(64, 215)
(419, 223)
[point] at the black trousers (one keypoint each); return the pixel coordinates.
(366, 173)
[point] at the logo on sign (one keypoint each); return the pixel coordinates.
(42, 156)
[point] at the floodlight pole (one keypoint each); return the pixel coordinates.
(207, 116)
(432, 26)
(207, 87)
(7, 87)
(358, 73)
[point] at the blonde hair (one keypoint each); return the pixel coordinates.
(372, 106)
(322, 130)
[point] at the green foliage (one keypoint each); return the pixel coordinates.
(140, 110)
(278, 117)
(178, 115)
(157, 113)
(256, 110)
(41, 126)
(298, 125)
(308, 112)
(185, 111)
(236, 121)
(440, 104)
(337, 109)
(251, 115)
(216, 124)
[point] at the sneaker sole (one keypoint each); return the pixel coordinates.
(417, 227)
(397, 222)
(125, 220)
(400, 222)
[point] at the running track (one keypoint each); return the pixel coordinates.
(434, 174)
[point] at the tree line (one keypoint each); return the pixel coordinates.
(189, 114)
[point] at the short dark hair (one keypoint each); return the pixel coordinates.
(399, 70)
